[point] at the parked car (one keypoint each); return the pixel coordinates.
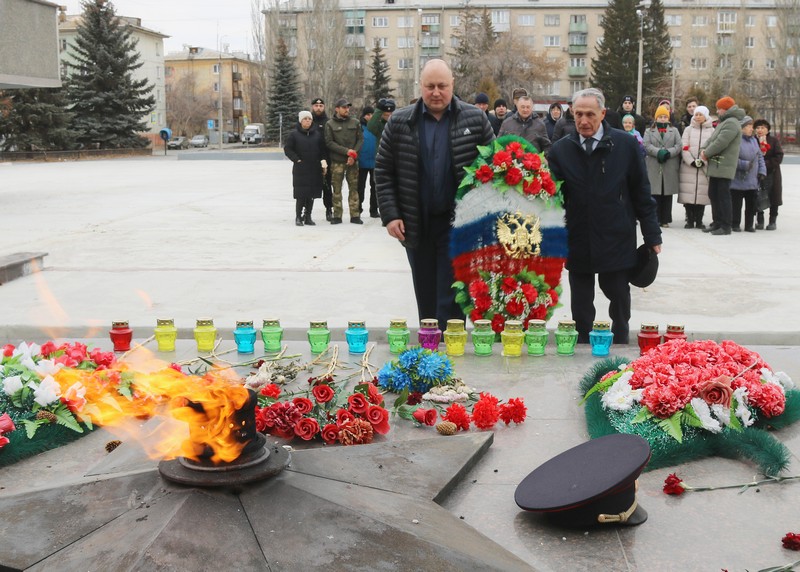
(232, 137)
(253, 134)
(199, 141)
(178, 143)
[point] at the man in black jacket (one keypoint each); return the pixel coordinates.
(421, 158)
(320, 118)
(606, 190)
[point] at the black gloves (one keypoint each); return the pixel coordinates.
(386, 104)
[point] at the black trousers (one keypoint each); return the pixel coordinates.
(363, 175)
(327, 190)
(616, 288)
(300, 204)
(664, 208)
(749, 199)
(719, 193)
(432, 272)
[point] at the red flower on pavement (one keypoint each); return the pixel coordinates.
(457, 414)
(343, 415)
(358, 403)
(485, 412)
(378, 417)
(791, 541)
(514, 410)
(271, 390)
(306, 428)
(375, 396)
(330, 433)
(322, 393)
(425, 416)
(415, 397)
(673, 485)
(484, 174)
(303, 404)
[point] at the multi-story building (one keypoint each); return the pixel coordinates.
(200, 80)
(150, 45)
(751, 45)
(28, 51)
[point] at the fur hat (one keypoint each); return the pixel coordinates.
(725, 103)
(662, 110)
(303, 114)
(704, 110)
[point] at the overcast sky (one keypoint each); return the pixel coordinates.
(191, 22)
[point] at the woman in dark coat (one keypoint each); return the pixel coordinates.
(773, 157)
(306, 149)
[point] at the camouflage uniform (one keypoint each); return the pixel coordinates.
(341, 134)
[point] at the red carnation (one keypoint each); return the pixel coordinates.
(513, 176)
(375, 396)
(425, 416)
(415, 397)
(271, 390)
(532, 187)
(673, 485)
(531, 161)
(514, 410)
(509, 285)
(515, 149)
(498, 323)
(485, 412)
(791, 541)
(475, 315)
(548, 185)
(530, 292)
(457, 414)
(515, 307)
(322, 393)
(553, 296)
(483, 303)
(484, 174)
(355, 432)
(502, 159)
(478, 287)
(330, 433)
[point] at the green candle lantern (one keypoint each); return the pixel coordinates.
(483, 338)
(272, 335)
(566, 338)
(536, 337)
(319, 336)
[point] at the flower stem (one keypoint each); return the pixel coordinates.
(744, 486)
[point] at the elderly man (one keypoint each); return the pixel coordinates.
(527, 125)
(344, 138)
(606, 191)
(421, 158)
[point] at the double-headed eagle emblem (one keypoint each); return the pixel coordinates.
(520, 235)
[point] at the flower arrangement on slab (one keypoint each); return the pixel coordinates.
(694, 399)
(508, 225)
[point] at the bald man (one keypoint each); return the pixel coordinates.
(421, 158)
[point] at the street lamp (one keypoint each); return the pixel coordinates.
(640, 15)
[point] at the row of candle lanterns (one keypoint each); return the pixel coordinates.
(512, 338)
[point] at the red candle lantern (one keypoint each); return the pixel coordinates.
(674, 332)
(121, 336)
(648, 338)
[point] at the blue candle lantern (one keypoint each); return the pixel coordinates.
(245, 337)
(357, 336)
(601, 338)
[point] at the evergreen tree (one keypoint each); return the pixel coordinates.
(108, 103)
(34, 119)
(615, 69)
(380, 76)
(656, 77)
(283, 99)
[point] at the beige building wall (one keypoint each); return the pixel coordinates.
(28, 44)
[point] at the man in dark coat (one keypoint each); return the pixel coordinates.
(320, 118)
(565, 125)
(628, 107)
(500, 112)
(606, 191)
(526, 124)
(421, 158)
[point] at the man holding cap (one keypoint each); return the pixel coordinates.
(343, 137)
(721, 154)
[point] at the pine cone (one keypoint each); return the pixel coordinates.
(46, 415)
(111, 445)
(446, 428)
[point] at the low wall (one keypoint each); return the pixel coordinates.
(73, 155)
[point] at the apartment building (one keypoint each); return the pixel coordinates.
(151, 53)
(29, 47)
(743, 43)
(199, 80)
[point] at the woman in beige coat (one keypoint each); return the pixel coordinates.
(693, 190)
(662, 142)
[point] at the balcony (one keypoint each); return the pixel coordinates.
(236, 76)
(578, 50)
(431, 50)
(430, 28)
(237, 94)
(726, 49)
(578, 27)
(237, 113)
(577, 71)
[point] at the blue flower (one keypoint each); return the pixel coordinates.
(429, 366)
(409, 358)
(401, 381)
(385, 375)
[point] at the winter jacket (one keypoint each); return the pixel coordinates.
(750, 166)
(306, 149)
(564, 126)
(366, 156)
(397, 166)
(341, 134)
(773, 158)
(693, 189)
(722, 149)
(496, 122)
(605, 193)
(531, 129)
(550, 122)
(663, 176)
(639, 122)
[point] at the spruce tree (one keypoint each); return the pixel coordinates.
(656, 78)
(380, 77)
(109, 104)
(283, 99)
(35, 119)
(615, 69)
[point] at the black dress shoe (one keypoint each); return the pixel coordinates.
(298, 221)
(719, 231)
(749, 229)
(336, 220)
(328, 214)
(309, 222)
(711, 228)
(356, 220)
(374, 214)
(759, 226)
(772, 226)
(701, 226)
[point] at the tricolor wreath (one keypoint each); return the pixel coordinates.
(509, 242)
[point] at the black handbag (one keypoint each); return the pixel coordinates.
(762, 193)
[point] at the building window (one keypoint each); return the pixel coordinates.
(381, 42)
(699, 63)
(215, 68)
(601, 18)
(405, 21)
(63, 44)
(577, 62)
(577, 39)
(526, 20)
(576, 86)
(158, 47)
(770, 64)
(455, 21)
(699, 41)
(577, 19)
(64, 69)
(355, 41)
(725, 61)
(430, 41)
(675, 41)
(237, 103)
(455, 42)
(355, 64)
(793, 61)
(771, 42)
(726, 21)
(673, 19)
(552, 20)
(430, 20)
(405, 42)
(772, 21)
(724, 40)
(552, 41)
(749, 42)
(216, 87)
(553, 88)
(748, 64)
(699, 20)
(380, 22)
(501, 20)
(405, 64)
(750, 21)
(158, 95)
(676, 63)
